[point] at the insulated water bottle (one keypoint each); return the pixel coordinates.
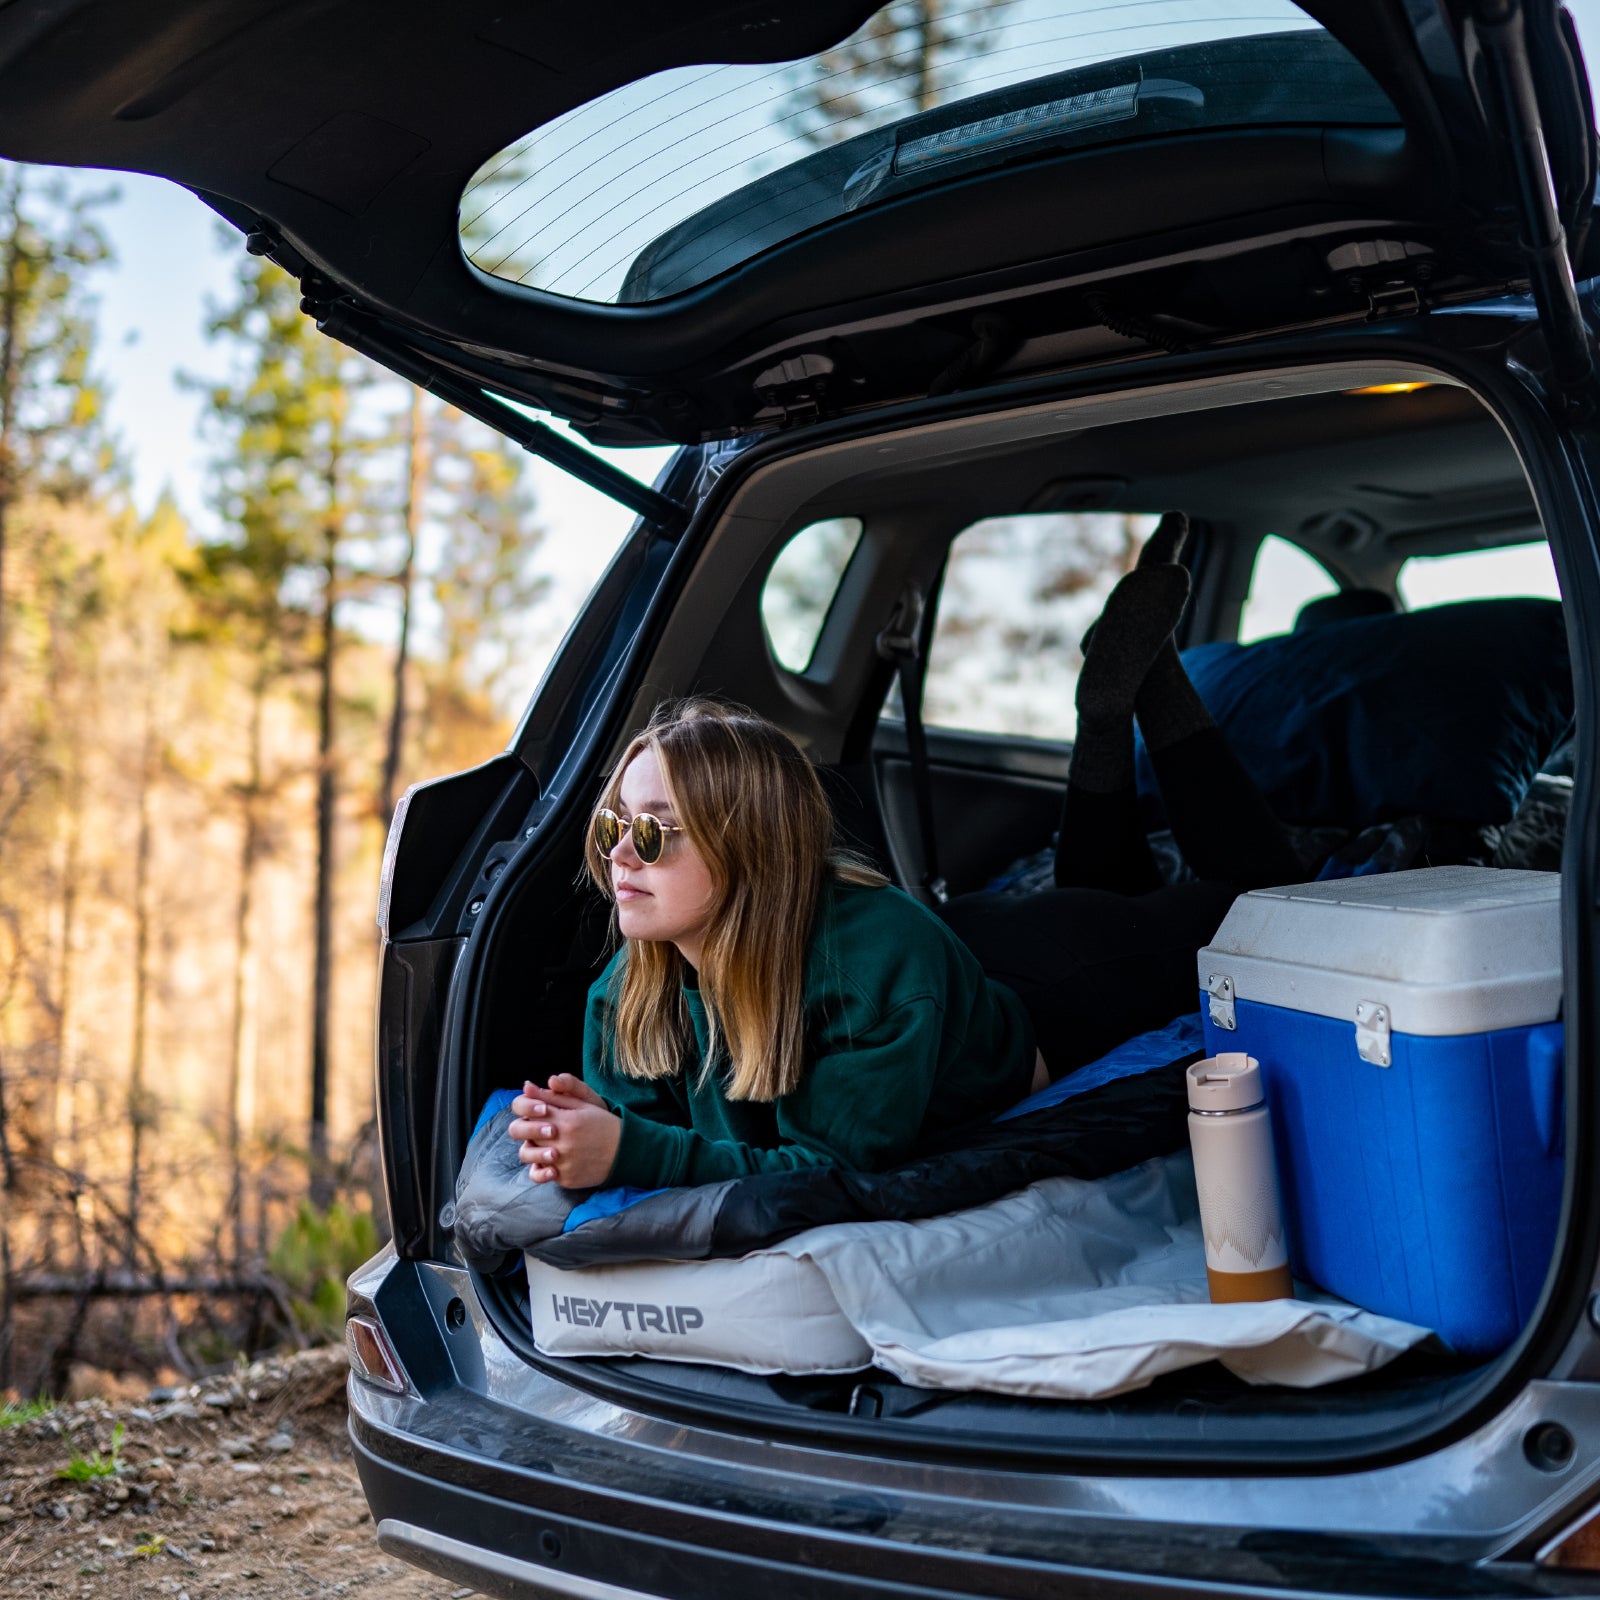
(1230, 1132)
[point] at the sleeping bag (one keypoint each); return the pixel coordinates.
(1446, 713)
(1108, 1117)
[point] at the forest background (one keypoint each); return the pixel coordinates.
(203, 730)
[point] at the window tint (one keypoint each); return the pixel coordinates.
(1018, 595)
(1283, 580)
(801, 586)
(1518, 569)
(666, 182)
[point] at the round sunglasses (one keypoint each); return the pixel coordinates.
(649, 834)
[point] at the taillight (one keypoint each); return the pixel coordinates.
(372, 1357)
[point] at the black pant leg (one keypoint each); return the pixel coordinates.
(1093, 968)
(1102, 844)
(1220, 819)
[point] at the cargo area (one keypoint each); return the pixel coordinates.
(1435, 786)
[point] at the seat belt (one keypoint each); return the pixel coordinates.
(901, 642)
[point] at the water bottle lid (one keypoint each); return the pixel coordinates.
(1227, 1082)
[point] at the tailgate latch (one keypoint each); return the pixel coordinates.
(1391, 275)
(796, 390)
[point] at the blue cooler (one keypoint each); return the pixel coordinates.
(1407, 1034)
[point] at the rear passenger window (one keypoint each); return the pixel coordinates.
(1283, 580)
(801, 585)
(1019, 592)
(1512, 571)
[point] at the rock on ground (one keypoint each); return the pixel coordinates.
(240, 1486)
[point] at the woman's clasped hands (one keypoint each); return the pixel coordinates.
(567, 1133)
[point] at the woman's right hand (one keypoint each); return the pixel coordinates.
(567, 1133)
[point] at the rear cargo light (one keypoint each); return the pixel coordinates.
(372, 1357)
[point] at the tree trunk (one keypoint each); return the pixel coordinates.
(60, 1093)
(249, 849)
(416, 488)
(8, 1184)
(327, 798)
(138, 1108)
(10, 361)
(7, 1301)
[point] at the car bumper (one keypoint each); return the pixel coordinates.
(501, 1477)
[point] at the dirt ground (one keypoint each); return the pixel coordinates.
(241, 1486)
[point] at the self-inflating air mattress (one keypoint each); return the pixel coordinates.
(1056, 1253)
(1070, 1290)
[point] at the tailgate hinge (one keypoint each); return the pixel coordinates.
(1391, 275)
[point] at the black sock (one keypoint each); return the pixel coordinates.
(1165, 544)
(1168, 705)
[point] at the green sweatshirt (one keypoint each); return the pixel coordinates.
(905, 1038)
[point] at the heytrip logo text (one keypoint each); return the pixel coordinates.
(634, 1313)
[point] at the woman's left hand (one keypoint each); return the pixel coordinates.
(568, 1135)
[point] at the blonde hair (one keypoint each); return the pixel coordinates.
(750, 804)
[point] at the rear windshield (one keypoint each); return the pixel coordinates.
(667, 182)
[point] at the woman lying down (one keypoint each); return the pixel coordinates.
(775, 1003)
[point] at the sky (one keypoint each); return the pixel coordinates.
(173, 262)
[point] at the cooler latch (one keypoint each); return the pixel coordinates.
(1220, 988)
(1372, 1032)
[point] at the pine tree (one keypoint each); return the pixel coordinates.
(486, 579)
(291, 477)
(52, 443)
(418, 458)
(50, 406)
(152, 559)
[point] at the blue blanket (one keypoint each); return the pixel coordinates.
(1445, 713)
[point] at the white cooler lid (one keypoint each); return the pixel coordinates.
(1447, 950)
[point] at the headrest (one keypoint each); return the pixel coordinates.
(1344, 606)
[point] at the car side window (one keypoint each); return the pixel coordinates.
(1514, 570)
(801, 587)
(1019, 593)
(1283, 580)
